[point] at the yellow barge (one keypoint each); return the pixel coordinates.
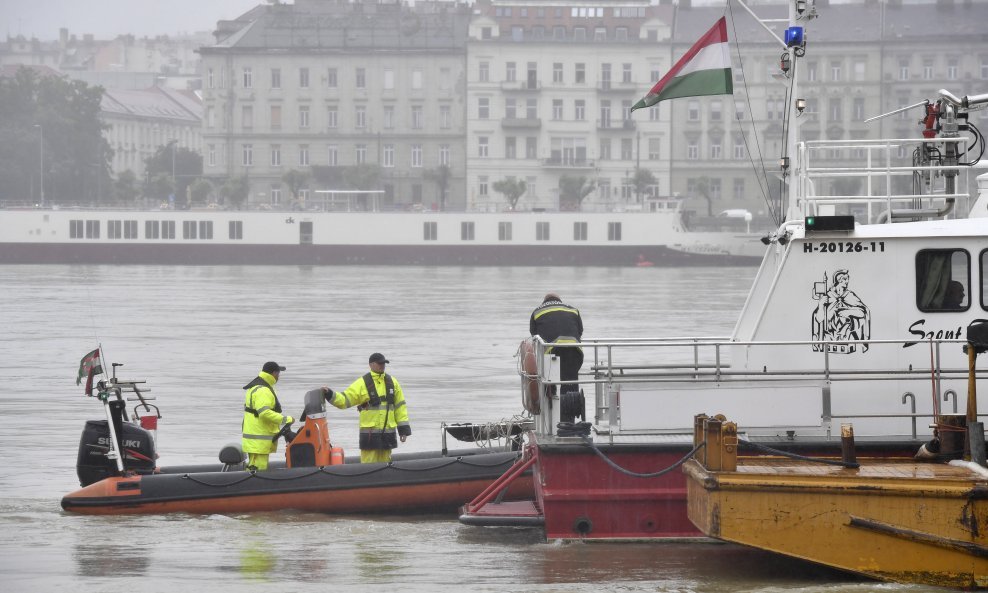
(893, 520)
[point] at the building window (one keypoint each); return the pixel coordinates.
(417, 119)
(927, 68)
(904, 69)
(483, 108)
(416, 79)
(236, 229)
(361, 78)
(389, 117)
(205, 229)
(715, 149)
(248, 155)
(416, 155)
(531, 147)
(739, 148)
(331, 80)
(482, 185)
(952, 69)
(189, 229)
(579, 231)
(303, 155)
(654, 148)
(210, 82)
(541, 231)
(510, 148)
(388, 156)
(152, 229)
(360, 154)
(614, 231)
(605, 149)
(859, 108)
(276, 78)
(466, 231)
(738, 189)
(693, 110)
(692, 150)
(275, 195)
(333, 153)
(444, 155)
(859, 70)
(360, 117)
(275, 155)
(303, 116)
(167, 229)
(835, 71)
(557, 72)
(504, 231)
(580, 109)
(580, 74)
(811, 71)
(510, 72)
(836, 113)
(627, 150)
(332, 117)
(303, 78)
(484, 72)
(430, 231)
(445, 117)
(389, 79)
(715, 110)
(482, 146)
(531, 108)
(247, 116)
(626, 73)
(557, 109)
(248, 78)
(275, 117)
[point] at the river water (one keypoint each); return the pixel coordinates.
(197, 334)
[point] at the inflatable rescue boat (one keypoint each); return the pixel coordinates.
(118, 473)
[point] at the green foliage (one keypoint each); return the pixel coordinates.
(441, 175)
(200, 191)
(295, 179)
(362, 177)
(235, 191)
(702, 188)
(573, 190)
(511, 189)
(125, 189)
(73, 149)
(187, 167)
(641, 180)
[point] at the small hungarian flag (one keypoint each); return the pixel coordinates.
(89, 366)
(704, 70)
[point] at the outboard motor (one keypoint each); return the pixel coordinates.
(311, 446)
(135, 444)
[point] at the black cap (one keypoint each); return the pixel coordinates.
(272, 368)
(378, 357)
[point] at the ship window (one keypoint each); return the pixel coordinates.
(614, 231)
(430, 231)
(92, 229)
(579, 231)
(542, 231)
(984, 279)
(113, 229)
(130, 229)
(75, 229)
(504, 231)
(236, 229)
(943, 279)
(167, 229)
(466, 231)
(205, 229)
(188, 229)
(151, 229)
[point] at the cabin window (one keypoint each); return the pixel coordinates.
(167, 229)
(75, 229)
(504, 231)
(542, 231)
(466, 231)
(113, 229)
(130, 229)
(943, 280)
(205, 229)
(188, 229)
(92, 229)
(152, 229)
(236, 229)
(984, 279)
(430, 231)
(614, 231)
(580, 231)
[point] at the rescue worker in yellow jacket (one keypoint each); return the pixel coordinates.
(381, 402)
(263, 419)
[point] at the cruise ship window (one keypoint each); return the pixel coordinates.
(236, 229)
(130, 229)
(467, 231)
(542, 231)
(151, 229)
(579, 231)
(614, 231)
(429, 231)
(943, 279)
(205, 229)
(92, 229)
(75, 229)
(167, 229)
(188, 229)
(504, 231)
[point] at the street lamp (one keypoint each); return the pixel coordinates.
(41, 161)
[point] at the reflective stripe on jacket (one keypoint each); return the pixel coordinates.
(262, 416)
(554, 321)
(377, 423)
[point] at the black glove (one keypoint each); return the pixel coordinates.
(329, 395)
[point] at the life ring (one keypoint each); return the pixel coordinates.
(530, 390)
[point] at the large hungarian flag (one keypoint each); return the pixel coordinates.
(704, 70)
(89, 365)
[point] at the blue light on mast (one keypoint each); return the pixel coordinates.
(794, 37)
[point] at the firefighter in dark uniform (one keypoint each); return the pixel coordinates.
(263, 420)
(383, 414)
(557, 322)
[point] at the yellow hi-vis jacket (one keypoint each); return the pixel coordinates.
(377, 422)
(262, 416)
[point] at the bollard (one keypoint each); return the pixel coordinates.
(847, 452)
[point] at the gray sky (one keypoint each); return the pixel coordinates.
(108, 18)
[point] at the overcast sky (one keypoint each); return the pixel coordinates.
(108, 18)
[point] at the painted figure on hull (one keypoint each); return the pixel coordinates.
(839, 316)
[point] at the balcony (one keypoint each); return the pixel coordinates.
(567, 163)
(524, 123)
(607, 125)
(521, 85)
(613, 86)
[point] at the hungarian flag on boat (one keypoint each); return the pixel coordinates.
(89, 365)
(704, 70)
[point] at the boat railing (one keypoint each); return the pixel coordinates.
(875, 182)
(664, 367)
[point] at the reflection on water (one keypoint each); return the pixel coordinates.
(199, 333)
